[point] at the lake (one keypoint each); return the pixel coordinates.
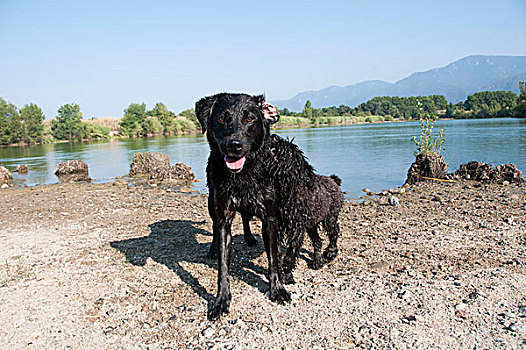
(376, 156)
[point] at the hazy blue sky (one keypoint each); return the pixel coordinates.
(106, 54)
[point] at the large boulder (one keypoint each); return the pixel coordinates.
(427, 166)
(148, 163)
(5, 175)
(487, 173)
(72, 171)
(156, 166)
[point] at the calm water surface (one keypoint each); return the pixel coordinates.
(376, 156)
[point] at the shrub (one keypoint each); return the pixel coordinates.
(152, 125)
(426, 144)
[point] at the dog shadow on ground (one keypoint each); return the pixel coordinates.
(172, 242)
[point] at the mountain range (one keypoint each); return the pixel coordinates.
(455, 81)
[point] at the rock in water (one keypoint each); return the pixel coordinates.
(22, 169)
(5, 175)
(432, 165)
(487, 173)
(72, 171)
(156, 166)
(149, 164)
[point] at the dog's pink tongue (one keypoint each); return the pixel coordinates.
(234, 163)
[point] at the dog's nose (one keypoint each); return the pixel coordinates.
(234, 145)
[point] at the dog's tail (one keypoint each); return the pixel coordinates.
(336, 179)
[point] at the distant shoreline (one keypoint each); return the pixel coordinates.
(285, 123)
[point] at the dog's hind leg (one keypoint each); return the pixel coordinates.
(330, 224)
(317, 244)
(250, 240)
(289, 260)
(277, 291)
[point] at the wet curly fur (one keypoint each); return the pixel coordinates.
(258, 174)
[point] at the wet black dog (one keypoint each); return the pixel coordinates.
(255, 173)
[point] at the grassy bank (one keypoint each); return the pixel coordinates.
(300, 122)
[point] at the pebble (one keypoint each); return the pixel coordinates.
(437, 198)
(4, 186)
(208, 332)
(369, 203)
(517, 327)
(461, 306)
(366, 190)
(394, 201)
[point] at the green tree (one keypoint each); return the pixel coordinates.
(11, 125)
(491, 104)
(520, 109)
(307, 111)
(191, 116)
(132, 122)
(9, 118)
(68, 123)
(152, 126)
(33, 119)
(164, 116)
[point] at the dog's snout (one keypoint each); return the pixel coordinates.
(234, 145)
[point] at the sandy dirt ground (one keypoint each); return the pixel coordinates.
(111, 266)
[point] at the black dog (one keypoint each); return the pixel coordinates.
(255, 173)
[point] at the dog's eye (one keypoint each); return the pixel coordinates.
(249, 119)
(221, 120)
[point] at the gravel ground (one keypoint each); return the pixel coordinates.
(111, 266)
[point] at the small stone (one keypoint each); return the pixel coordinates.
(517, 327)
(437, 198)
(505, 183)
(208, 332)
(394, 201)
(461, 306)
(4, 186)
(410, 318)
(366, 190)
(522, 310)
(64, 213)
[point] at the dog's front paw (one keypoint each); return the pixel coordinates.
(329, 255)
(280, 295)
(220, 307)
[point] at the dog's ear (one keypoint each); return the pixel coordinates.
(270, 113)
(203, 110)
